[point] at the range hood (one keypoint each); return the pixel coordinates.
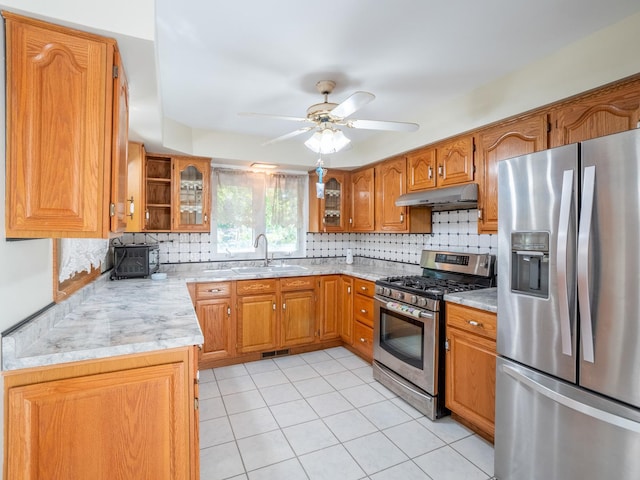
(458, 197)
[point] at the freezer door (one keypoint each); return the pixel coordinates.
(548, 429)
(537, 202)
(609, 266)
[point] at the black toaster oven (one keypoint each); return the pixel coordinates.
(134, 261)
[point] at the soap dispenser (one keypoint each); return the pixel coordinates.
(349, 257)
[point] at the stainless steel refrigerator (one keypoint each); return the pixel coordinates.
(568, 372)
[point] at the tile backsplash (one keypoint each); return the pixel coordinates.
(452, 231)
(455, 231)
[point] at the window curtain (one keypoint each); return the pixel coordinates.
(247, 203)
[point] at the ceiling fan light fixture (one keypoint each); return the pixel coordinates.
(327, 141)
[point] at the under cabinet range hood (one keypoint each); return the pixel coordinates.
(458, 197)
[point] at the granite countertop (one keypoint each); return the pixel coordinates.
(484, 299)
(110, 318)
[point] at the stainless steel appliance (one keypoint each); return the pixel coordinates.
(134, 261)
(568, 376)
(408, 336)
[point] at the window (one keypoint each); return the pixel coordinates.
(246, 204)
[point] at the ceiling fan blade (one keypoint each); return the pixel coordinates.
(289, 135)
(353, 103)
(382, 125)
(280, 117)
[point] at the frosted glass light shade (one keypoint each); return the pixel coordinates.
(327, 141)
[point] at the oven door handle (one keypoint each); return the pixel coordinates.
(395, 307)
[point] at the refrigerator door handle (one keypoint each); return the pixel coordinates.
(561, 266)
(584, 237)
(571, 403)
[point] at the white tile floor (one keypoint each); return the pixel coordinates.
(322, 416)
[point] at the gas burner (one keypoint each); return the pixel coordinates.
(442, 273)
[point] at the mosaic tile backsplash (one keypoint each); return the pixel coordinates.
(452, 231)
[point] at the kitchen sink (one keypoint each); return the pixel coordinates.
(269, 269)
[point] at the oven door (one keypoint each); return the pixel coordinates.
(407, 344)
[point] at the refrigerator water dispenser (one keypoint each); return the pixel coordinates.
(530, 263)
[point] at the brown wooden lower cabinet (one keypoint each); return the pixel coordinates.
(363, 315)
(471, 367)
(132, 416)
(345, 301)
(246, 320)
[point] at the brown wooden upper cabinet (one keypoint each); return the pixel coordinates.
(136, 155)
(422, 167)
(66, 132)
(191, 198)
(176, 193)
(605, 112)
(362, 188)
(518, 137)
(446, 163)
(391, 182)
(329, 214)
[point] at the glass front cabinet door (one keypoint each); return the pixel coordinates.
(332, 206)
(191, 200)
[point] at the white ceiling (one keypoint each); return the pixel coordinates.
(211, 60)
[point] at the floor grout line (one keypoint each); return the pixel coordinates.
(288, 363)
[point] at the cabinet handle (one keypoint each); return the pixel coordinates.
(364, 289)
(362, 310)
(349, 290)
(473, 323)
(274, 306)
(440, 170)
(479, 214)
(229, 311)
(362, 340)
(132, 207)
(430, 174)
(214, 290)
(402, 218)
(206, 218)
(284, 306)
(146, 214)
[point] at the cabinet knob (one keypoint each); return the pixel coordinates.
(363, 340)
(473, 323)
(362, 310)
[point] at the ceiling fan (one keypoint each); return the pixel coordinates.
(325, 116)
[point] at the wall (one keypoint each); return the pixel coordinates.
(452, 231)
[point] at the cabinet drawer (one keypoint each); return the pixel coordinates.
(364, 287)
(213, 290)
(472, 320)
(363, 309)
(297, 283)
(363, 339)
(248, 287)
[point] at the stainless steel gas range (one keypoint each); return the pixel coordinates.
(408, 337)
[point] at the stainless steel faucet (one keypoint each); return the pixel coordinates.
(266, 248)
